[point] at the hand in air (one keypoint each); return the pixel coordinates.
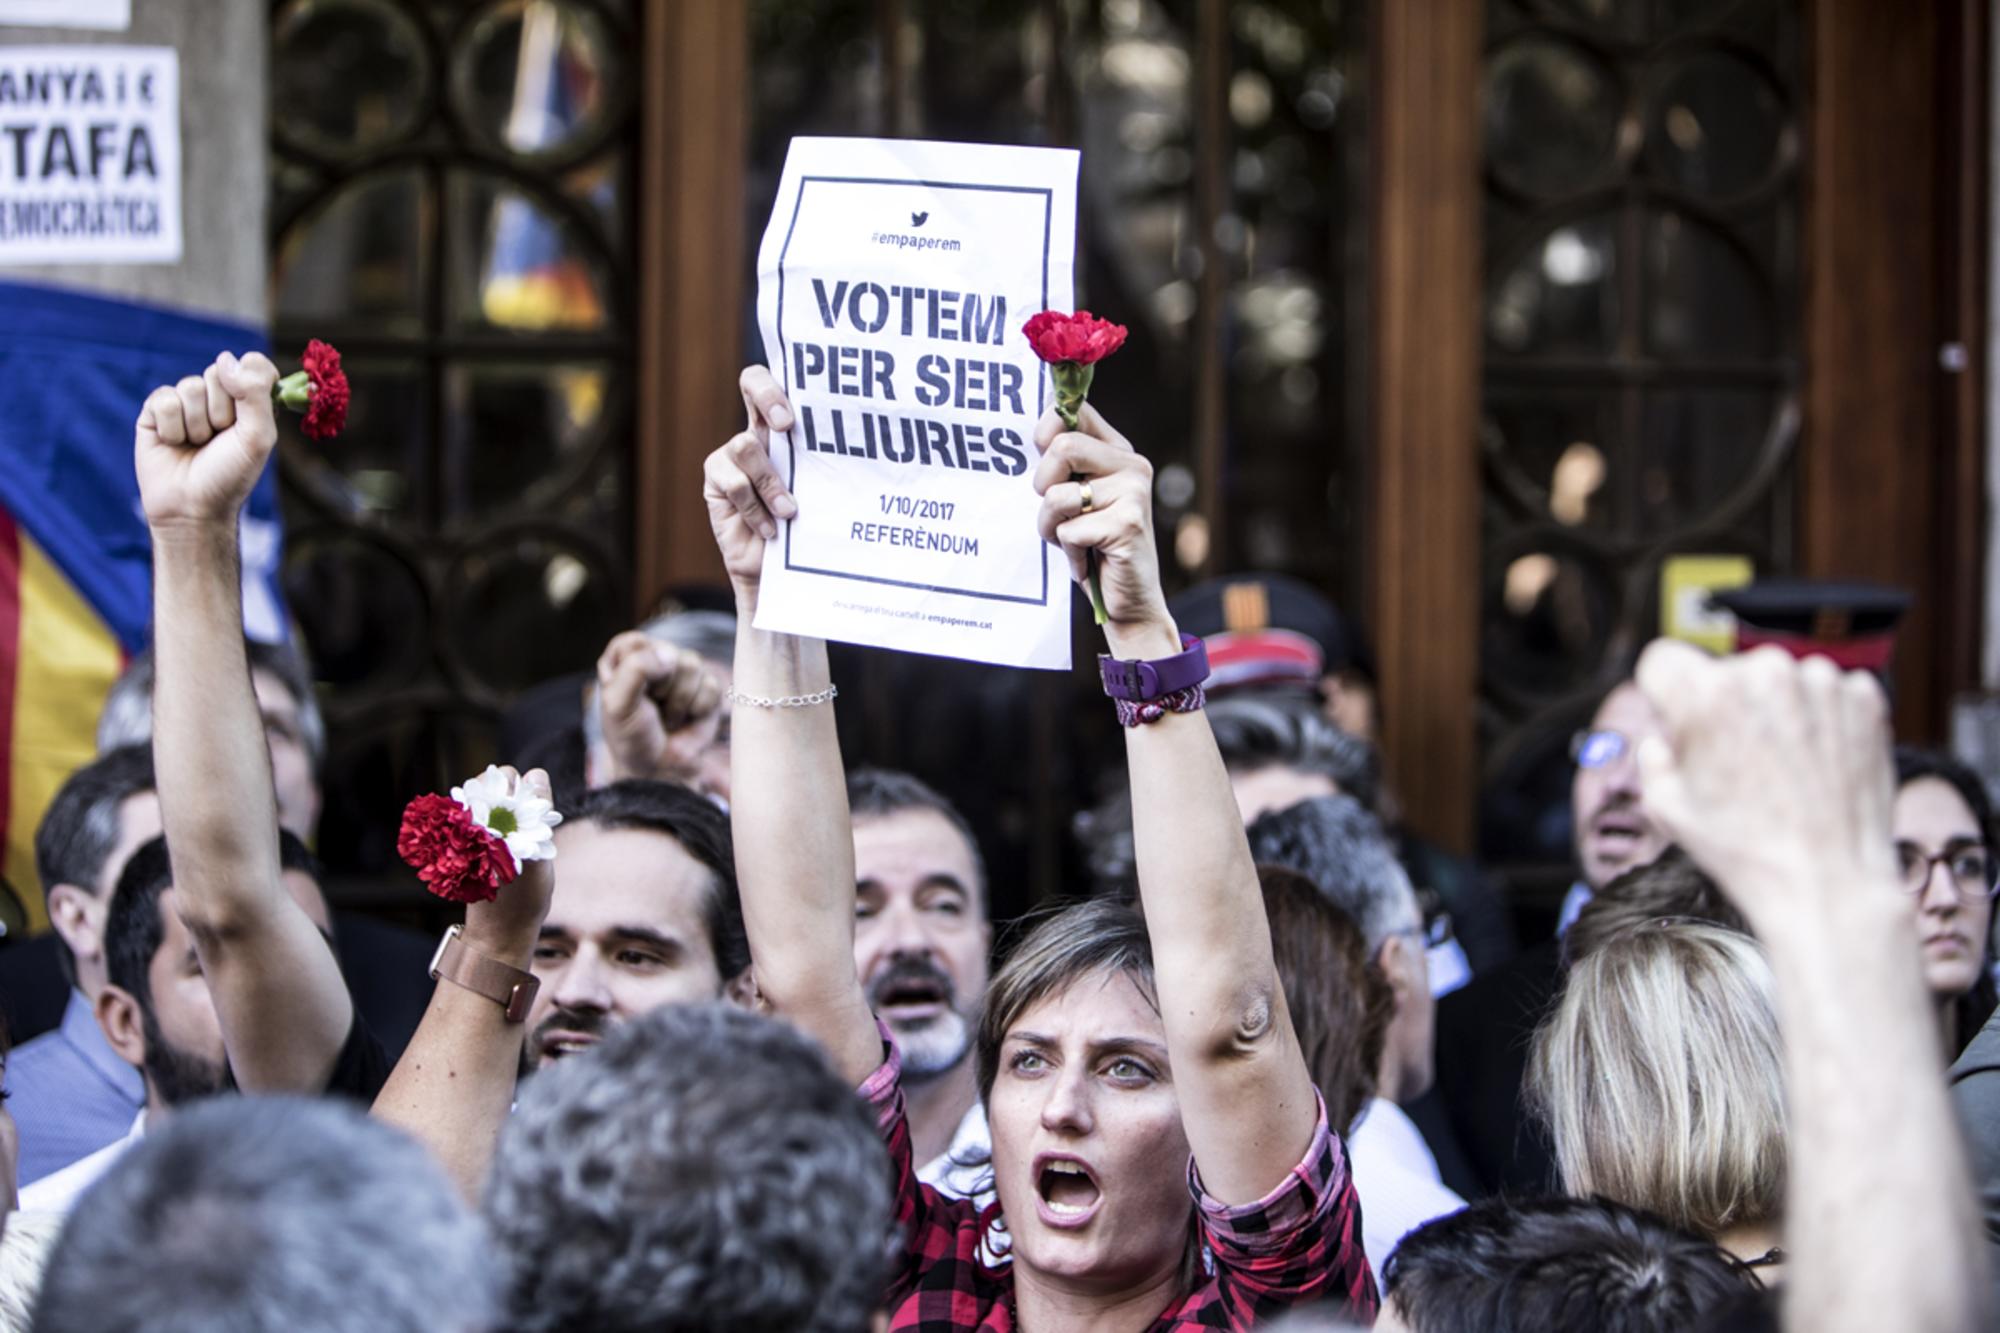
(746, 498)
(1097, 465)
(512, 920)
(655, 699)
(1773, 774)
(200, 445)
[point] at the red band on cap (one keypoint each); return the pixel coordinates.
(1866, 652)
(1262, 657)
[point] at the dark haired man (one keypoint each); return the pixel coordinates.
(69, 1091)
(1555, 1266)
(158, 1013)
(644, 913)
(921, 945)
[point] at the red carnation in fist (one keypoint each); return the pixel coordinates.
(320, 391)
(1082, 338)
(456, 858)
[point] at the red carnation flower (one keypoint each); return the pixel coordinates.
(320, 391)
(1073, 345)
(1081, 338)
(456, 858)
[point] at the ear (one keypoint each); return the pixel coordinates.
(741, 991)
(78, 916)
(124, 1026)
(1393, 957)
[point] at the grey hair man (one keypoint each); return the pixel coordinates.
(655, 710)
(293, 727)
(701, 1169)
(1341, 848)
(265, 1213)
(922, 946)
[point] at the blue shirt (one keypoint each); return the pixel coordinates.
(70, 1093)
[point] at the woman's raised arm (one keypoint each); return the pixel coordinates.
(788, 810)
(1246, 1097)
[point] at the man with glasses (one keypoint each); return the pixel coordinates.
(1613, 834)
(1483, 1030)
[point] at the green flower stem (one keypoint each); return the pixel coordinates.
(1072, 384)
(293, 391)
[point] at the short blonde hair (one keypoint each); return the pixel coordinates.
(1660, 1077)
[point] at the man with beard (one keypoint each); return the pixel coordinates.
(644, 913)
(921, 945)
(157, 1011)
(1483, 1031)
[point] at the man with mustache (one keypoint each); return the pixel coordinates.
(921, 945)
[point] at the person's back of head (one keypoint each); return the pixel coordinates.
(1340, 1004)
(1343, 850)
(701, 1169)
(1554, 1266)
(1670, 888)
(1660, 1077)
(257, 1213)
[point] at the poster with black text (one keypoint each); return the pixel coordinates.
(893, 282)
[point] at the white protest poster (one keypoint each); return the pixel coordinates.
(90, 155)
(110, 15)
(893, 282)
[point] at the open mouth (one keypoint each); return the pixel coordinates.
(912, 1000)
(561, 1045)
(1066, 1192)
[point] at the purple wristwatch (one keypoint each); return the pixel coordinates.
(1147, 691)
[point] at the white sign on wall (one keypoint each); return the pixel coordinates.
(110, 15)
(90, 155)
(892, 286)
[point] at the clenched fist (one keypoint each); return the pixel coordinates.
(200, 445)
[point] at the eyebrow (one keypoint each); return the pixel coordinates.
(940, 880)
(1152, 1050)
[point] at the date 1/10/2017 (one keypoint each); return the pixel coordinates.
(908, 506)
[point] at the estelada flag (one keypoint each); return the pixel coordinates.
(75, 563)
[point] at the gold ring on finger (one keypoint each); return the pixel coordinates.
(1087, 501)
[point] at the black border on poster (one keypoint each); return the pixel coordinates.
(785, 371)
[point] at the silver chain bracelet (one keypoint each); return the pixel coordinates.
(827, 695)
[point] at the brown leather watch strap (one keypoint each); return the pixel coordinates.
(462, 965)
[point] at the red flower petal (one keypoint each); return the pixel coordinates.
(1081, 337)
(455, 858)
(326, 410)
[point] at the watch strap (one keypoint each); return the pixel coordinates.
(507, 986)
(1143, 681)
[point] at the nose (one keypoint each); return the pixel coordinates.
(1066, 1110)
(1940, 895)
(582, 983)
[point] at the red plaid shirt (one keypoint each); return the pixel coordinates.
(1298, 1245)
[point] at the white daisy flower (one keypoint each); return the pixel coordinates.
(526, 823)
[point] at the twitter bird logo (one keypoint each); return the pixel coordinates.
(919, 219)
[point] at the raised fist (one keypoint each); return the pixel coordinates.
(200, 445)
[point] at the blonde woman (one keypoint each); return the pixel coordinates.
(1660, 1079)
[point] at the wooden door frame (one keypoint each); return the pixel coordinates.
(1892, 456)
(1420, 473)
(693, 138)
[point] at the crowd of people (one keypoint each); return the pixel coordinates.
(750, 1054)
